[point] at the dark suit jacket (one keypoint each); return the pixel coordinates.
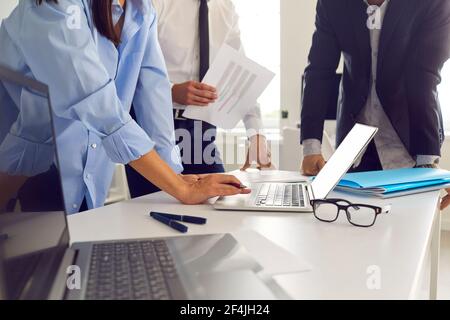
(414, 45)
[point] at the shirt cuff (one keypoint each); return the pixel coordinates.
(172, 157)
(312, 147)
(21, 157)
(424, 160)
(127, 144)
(253, 122)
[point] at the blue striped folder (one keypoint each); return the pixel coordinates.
(393, 183)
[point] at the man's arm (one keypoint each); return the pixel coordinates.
(430, 50)
(189, 92)
(323, 60)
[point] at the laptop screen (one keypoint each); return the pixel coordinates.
(33, 228)
(341, 161)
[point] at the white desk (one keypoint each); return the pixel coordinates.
(399, 245)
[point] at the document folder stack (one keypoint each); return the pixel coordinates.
(394, 183)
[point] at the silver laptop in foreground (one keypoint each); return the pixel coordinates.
(296, 197)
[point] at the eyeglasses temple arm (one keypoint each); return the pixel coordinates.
(386, 209)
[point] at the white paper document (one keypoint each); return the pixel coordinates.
(239, 82)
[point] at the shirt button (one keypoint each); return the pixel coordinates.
(88, 176)
(74, 206)
(94, 146)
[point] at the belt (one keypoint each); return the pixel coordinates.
(178, 114)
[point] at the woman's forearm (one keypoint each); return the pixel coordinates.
(154, 169)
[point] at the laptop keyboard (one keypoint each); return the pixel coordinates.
(281, 195)
(141, 270)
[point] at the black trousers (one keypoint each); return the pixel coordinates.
(209, 161)
(370, 160)
(139, 186)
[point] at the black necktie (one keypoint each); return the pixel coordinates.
(203, 27)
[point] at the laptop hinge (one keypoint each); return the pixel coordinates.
(309, 189)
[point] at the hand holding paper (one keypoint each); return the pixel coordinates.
(239, 82)
(193, 93)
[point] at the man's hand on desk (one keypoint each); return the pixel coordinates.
(258, 152)
(312, 164)
(193, 93)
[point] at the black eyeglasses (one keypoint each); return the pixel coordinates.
(359, 215)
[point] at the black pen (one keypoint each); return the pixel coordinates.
(171, 223)
(188, 219)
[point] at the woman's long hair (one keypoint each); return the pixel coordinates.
(101, 12)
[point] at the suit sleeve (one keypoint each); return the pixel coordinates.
(430, 51)
(324, 58)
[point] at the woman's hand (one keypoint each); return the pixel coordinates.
(211, 186)
(190, 178)
(189, 189)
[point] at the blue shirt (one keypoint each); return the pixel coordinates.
(92, 87)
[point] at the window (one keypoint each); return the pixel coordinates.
(260, 32)
(444, 96)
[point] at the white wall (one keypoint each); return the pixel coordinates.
(297, 27)
(6, 7)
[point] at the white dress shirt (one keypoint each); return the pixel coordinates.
(179, 39)
(391, 150)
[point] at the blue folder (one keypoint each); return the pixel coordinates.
(379, 183)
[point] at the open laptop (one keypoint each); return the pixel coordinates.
(36, 258)
(297, 196)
